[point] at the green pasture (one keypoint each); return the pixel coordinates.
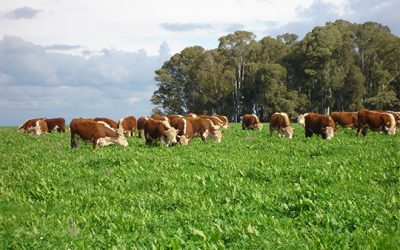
(248, 192)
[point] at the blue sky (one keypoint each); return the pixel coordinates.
(74, 58)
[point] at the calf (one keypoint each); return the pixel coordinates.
(109, 121)
(184, 128)
(319, 124)
(24, 127)
(162, 131)
(128, 125)
(205, 129)
(57, 124)
(376, 121)
(250, 121)
(98, 133)
(345, 119)
(281, 123)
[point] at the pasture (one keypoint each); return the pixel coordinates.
(250, 191)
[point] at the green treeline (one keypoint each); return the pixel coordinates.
(341, 66)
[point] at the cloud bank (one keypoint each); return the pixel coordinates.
(37, 82)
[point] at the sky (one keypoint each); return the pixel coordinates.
(74, 58)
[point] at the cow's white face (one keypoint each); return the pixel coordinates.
(170, 136)
(301, 120)
(329, 131)
(183, 140)
(259, 126)
(287, 132)
(215, 136)
(121, 140)
(390, 131)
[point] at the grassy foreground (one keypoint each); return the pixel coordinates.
(250, 191)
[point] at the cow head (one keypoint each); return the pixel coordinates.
(287, 132)
(215, 136)
(119, 140)
(329, 132)
(169, 136)
(259, 126)
(301, 119)
(389, 131)
(183, 140)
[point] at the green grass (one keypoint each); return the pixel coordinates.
(250, 191)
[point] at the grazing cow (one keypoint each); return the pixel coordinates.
(100, 133)
(109, 121)
(376, 121)
(24, 127)
(40, 127)
(184, 127)
(128, 125)
(205, 129)
(224, 119)
(345, 119)
(281, 123)
(57, 124)
(251, 122)
(217, 122)
(396, 115)
(155, 130)
(319, 124)
(140, 126)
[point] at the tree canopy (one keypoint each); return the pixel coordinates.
(340, 66)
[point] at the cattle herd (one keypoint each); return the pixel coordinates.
(178, 129)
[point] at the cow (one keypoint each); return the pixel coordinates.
(57, 124)
(99, 133)
(140, 126)
(376, 121)
(28, 124)
(319, 124)
(184, 128)
(396, 115)
(345, 119)
(155, 130)
(281, 123)
(217, 122)
(109, 121)
(250, 121)
(40, 127)
(128, 125)
(225, 121)
(205, 128)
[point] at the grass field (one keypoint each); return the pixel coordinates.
(250, 191)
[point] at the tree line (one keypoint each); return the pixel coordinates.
(341, 66)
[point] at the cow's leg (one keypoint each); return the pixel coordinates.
(308, 132)
(364, 131)
(94, 143)
(74, 140)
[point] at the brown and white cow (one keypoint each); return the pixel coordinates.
(301, 118)
(376, 121)
(109, 121)
(205, 128)
(128, 125)
(345, 119)
(140, 126)
(281, 123)
(319, 124)
(28, 124)
(184, 128)
(57, 124)
(40, 127)
(250, 121)
(155, 130)
(99, 133)
(224, 119)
